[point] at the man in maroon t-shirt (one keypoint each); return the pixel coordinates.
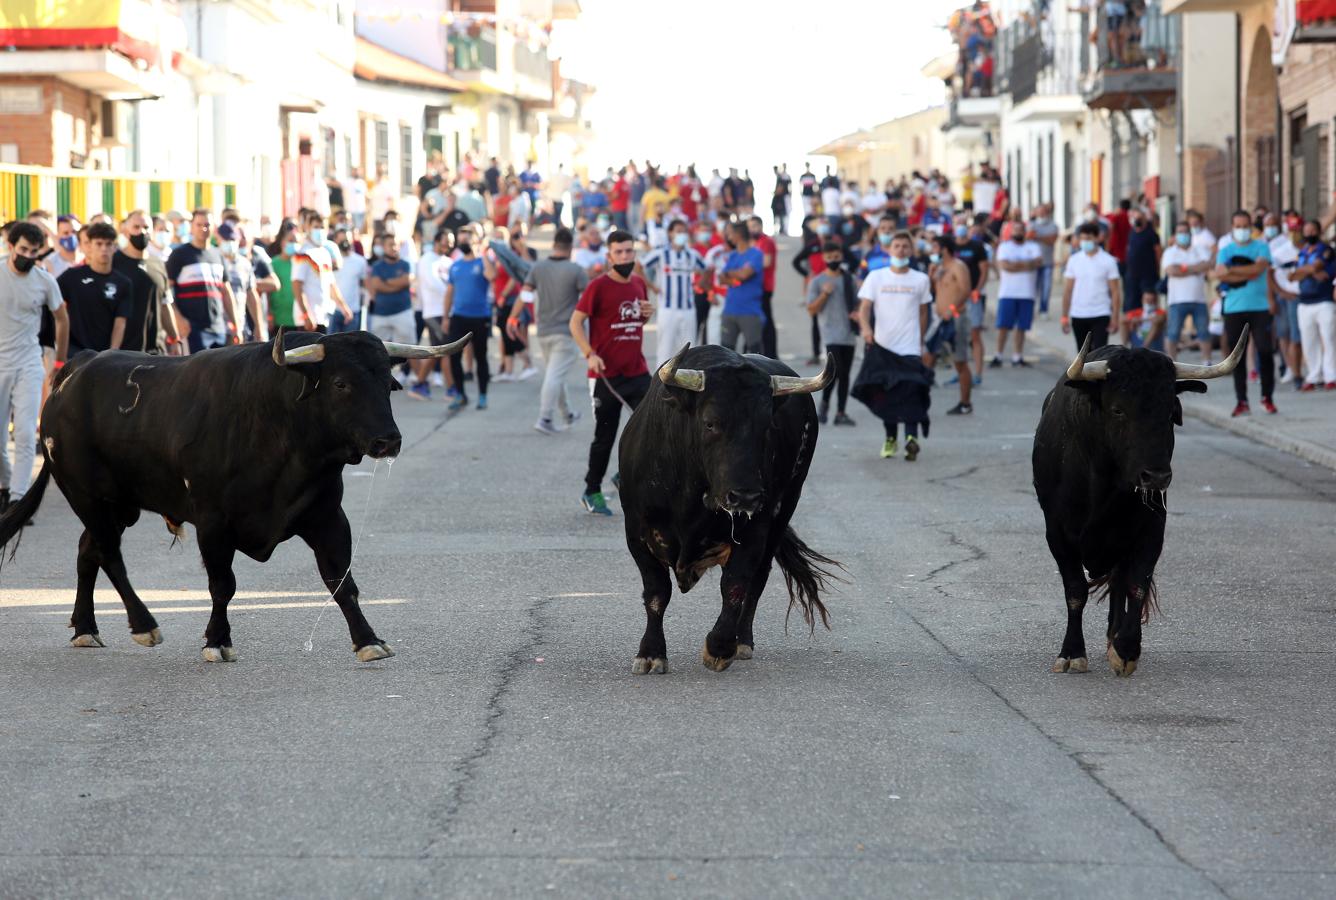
(616, 305)
(1120, 227)
(766, 244)
(619, 199)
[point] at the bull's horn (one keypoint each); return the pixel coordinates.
(791, 384)
(413, 351)
(1080, 370)
(311, 353)
(1186, 370)
(687, 379)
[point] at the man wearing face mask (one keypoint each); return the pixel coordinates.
(1044, 232)
(1184, 267)
(832, 300)
(972, 252)
(1091, 293)
(98, 298)
(200, 291)
(1284, 289)
(238, 269)
(1018, 259)
(314, 290)
(67, 253)
(616, 307)
(1317, 311)
(592, 255)
(879, 257)
(744, 313)
(769, 253)
(468, 312)
(1241, 268)
(674, 267)
(148, 279)
(25, 290)
(1141, 276)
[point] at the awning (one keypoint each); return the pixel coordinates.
(375, 63)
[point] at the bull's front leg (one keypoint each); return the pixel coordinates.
(736, 586)
(1076, 590)
(1131, 595)
(331, 540)
(658, 590)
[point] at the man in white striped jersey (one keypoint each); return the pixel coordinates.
(674, 267)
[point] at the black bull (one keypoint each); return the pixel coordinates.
(246, 443)
(712, 465)
(1102, 466)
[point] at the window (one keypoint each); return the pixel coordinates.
(382, 145)
(406, 155)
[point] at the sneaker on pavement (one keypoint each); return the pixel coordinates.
(1268, 405)
(1287, 377)
(594, 504)
(1019, 363)
(436, 380)
(501, 377)
(954, 379)
(458, 403)
(1242, 409)
(528, 373)
(572, 417)
(960, 409)
(843, 419)
(468, 376)
(995, 363)
(1253, 376)
(911, 450)
(976, 380)
(1307, 387)
(482, 402)
(545, 426)
(420, 391)
(1330, 386)
(889, 449)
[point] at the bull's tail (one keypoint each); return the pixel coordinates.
(807, 574)
(1113, 587)
(21, 510)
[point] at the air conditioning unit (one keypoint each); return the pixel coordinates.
(114, 124)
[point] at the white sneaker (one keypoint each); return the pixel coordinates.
(527, 374)
(1287, 377)
(503, 376)
(437, 380)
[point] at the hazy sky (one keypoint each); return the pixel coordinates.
(749, 83)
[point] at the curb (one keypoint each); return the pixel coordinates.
(1308, 451)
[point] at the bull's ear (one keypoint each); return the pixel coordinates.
(1190, 387)
(395, 385)
(1178, 412)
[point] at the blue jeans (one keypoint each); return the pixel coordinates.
(1178, 314)
(1045, 276)
(338, 324)
(205, 340)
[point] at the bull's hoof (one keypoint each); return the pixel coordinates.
(1074, 665)
(148, 638)
(373, 652)
(744, 651)
(86, 640)
(645, 666)
(715, 663)
(1123, 668)
(1060, 665)
(219, 654)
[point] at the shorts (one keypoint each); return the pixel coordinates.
(399, 328)
(1287, 320)
(945, 338)
(435, 330)
(976, 311)
(1178, 315)
(1015, 312)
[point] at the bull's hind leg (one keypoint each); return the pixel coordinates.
(331, 540)
(658, 590)
(82, 619)
(218, 554)
(1072, 656)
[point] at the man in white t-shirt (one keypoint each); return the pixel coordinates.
(1184, 265)
(1018, 262)
(873, 203)
(1202, 238)
(314, 290)
(1284, 260)
(350, 277)
(830, 198)
(1092, 293)
(431, 274)
(900, 298)
(354, 199)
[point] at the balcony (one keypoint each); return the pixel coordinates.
(533, 71)
(1041, 70)
(473, 54)
(1138, 69)
(972, 112)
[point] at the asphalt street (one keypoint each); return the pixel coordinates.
(920, 748)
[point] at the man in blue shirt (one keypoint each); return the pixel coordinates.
(742, 304)
(391, 313)
(1241, 268)
(468, 309)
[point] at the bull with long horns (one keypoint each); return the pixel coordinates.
(1102, 465)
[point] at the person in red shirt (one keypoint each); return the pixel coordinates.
(619, 201)
(1120, 226)
(616, 307)
(703, 240)
(769, 339)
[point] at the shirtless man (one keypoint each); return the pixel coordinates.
(951, 289)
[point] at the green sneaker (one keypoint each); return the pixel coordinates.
(595, 505)
(889, 449)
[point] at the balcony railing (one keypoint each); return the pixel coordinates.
(1038, 61)
(533, 64)
(473, 54)
(1137, 65)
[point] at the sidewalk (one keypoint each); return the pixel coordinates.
(1304, 426)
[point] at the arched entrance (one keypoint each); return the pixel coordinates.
(1260, 145)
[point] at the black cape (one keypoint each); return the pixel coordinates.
(896, 388)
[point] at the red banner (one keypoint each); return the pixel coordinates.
(1310, 12)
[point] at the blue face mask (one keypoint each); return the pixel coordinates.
(884, 239)
(823, 229)
(317, 236)
(69, 242)
(1242, 235)
(680, 239)
(1088, 246)
(962, 233)
(934, 258)
(183, 231)
(378, 251)
(899, 262)
(1271, 232)
(1183, 239)
(290, 248)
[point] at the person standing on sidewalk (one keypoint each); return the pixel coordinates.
(201, 293)
(833, 301)
(149, 278)
(98, 299)
(1044, 232)
(615, 306)
(25, 290)
(551, 292)
(1184, 266)
(769, 253)
(1091, 295)
(1018, 260)
(1241, 268)
(1317, 311)
(1284, 246)
(468, 310)
(674, 266)
(744, 310)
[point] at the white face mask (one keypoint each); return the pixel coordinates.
(1242, 235)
